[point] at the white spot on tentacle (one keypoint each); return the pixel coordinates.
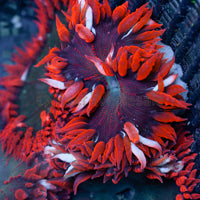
(84, 101)
(109, 56)
(47, 185)
(139, 155)
(93, 31)
(49, 150)
(150, 143)
(66, 157)
(98, 64)
(129, 32)
(168, 81)
(170, 163)
(24, 75)
(54, 83)
(177, 167)
(82, 3)
(89, 18)
(69, 172)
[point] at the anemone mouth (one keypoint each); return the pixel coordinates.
(125, 100)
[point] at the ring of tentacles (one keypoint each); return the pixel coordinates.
(113, 104)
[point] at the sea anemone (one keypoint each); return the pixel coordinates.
(114, 108)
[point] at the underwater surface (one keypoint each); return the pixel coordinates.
(181, 21)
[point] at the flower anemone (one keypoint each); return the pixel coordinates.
(114, 105)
